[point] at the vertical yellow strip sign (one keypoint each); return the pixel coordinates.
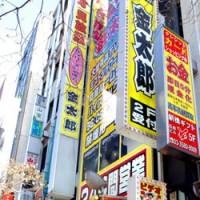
(71, 112)
(140, 70)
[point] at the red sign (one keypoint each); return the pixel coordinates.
(182, 133)
(8, 196)
(175, 46)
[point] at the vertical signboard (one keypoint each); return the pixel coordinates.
(136, 105)
(38, 114)
(141, 188)
(177, 127)
(138, 162)
(72, 104)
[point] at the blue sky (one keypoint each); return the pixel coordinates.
(27, 14)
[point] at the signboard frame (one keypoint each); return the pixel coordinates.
(162, 97)
(123, 125)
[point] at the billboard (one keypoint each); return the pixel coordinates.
(137, 162)
(177, 124)
(141, 188)
(75, 66)
(136, 116)
(38, 115)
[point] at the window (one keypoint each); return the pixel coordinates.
(44, 153)
(171, 10)
(109, 150)
(66, 4)
(91, 160)
(43, 88)
(58, 99)
(56, 71)
(50, 110)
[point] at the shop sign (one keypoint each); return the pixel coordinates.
(38, 115)
(9, 196)
(141, 188)
(138, 162)
(177, 124)
(73, 91)
(138, 120)
(33, 159)
(100, 109)
(101, 86)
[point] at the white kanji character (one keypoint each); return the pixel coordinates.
(138, 118)
(113, 183)
(124, 174)
(138, 166)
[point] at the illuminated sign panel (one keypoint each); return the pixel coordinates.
(175, 84)
(145, 188)
(72, 104)
(138, 162)
(137, 62)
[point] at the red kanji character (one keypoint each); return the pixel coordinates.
(81, 27)
(79, 38)
(83, 3)
(157, 190)
(188, 98)
(179, 94)
(172, 66)
(170, 79)
(183, 74)
(82, 16)
(150, 188)
(171, 89)
(176, 83)
(187, 90)
(143, 186)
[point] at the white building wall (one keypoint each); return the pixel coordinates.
(191, 28)
(38, 61)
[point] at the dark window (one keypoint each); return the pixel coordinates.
(61, 34)
(63, 61)
(56, 71)
(66, 4)
(58, 99)
(171, 10)
(50, 110)
(44, 153)
(109, 150)
(90, 160)
(43, 88)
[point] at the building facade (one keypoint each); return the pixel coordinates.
(99, 85)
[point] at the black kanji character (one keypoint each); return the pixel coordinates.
(144, 78)
(70, 125)
(142, 19)
(145, 46)
(70, 110)
(73, 97)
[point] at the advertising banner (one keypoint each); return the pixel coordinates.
(141, 188)
(73, 93)
(38, 114)
(176, 84)
(138, 162)
(136, 108)
(99, 127)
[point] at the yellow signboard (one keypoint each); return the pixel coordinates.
(181, 116)
(72, 104)
(140, 67)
